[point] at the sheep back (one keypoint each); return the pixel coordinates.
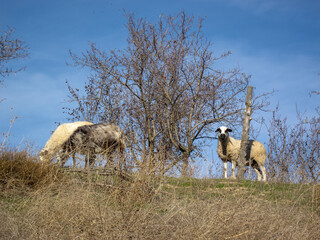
(256, 151)
(230, 150)
(59, 137)
(96, 138)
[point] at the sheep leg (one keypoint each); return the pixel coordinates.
(86, 161)
(74, 160)
(258, 173)
(62, 157)
(111, 164)
(233, 170)
(264, 175)
(110, 159)
(122, 161)
(261, 172)
(92, 160)
(225, 169)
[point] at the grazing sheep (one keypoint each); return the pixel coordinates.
(102, 138)
(58, 138)
(229, 148)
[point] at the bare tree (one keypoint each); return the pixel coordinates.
(279, 150)
(164, 87)
(10, 49)
(306, 141)
(294, 151)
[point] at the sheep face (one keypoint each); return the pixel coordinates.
(223, 133)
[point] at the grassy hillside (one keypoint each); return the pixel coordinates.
(41, 202)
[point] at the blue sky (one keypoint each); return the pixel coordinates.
(275, 41)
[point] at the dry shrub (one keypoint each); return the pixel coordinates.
(20, 170)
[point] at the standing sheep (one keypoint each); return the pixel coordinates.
(102, 138)
(58, 138)
(228, 150)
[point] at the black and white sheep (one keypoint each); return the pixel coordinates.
(103, 139)
(228, 150)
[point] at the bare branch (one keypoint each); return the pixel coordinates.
(10, 49)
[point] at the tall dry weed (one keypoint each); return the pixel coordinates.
(22, 171)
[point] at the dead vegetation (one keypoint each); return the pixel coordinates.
(98, 206)
(19, 170)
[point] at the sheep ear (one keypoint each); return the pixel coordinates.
(229, 130)
(218, 130)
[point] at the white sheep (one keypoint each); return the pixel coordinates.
(228, 150)
(58, 138)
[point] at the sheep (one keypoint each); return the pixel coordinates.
(228, 150)
(58, 138)
(102, 138)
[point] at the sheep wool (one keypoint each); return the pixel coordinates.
(59, 137)
(228, 150)
(90, 140)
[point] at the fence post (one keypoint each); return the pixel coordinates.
(245, 134)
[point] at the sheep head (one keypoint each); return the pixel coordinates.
(223, 133)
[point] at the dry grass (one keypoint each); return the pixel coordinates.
(21, 171)
(80, 212)
(150, 208)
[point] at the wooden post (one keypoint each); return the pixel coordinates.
(245, 135)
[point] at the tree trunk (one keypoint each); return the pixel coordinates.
(185, 165)
(245, 135)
